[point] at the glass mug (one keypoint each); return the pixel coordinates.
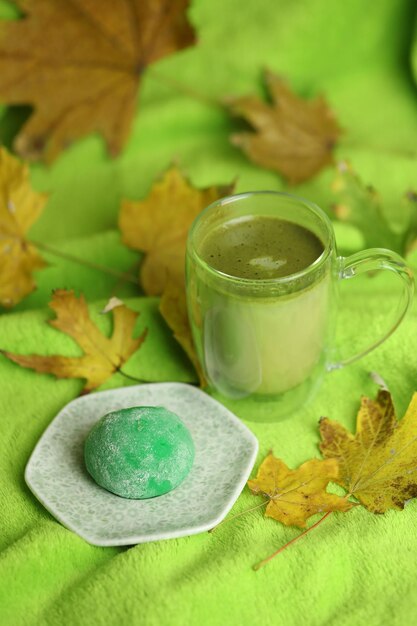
(272, 338)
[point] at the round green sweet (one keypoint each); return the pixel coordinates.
(140, 452)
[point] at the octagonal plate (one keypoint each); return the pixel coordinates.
(225, 451)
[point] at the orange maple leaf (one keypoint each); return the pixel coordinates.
(295, 495)
(103, 356)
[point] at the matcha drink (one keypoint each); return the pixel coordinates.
(260, 248)
(263, 340)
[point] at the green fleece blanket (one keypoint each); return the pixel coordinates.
(356, 568)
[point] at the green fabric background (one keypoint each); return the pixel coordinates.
(356, 568)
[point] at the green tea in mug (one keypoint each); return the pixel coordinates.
(266, 343)
(262, 275)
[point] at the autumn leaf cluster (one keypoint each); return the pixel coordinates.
(377, 466)
(85, 77)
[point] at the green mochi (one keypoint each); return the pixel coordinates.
(139, 452)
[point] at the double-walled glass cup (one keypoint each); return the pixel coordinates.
(272, 338)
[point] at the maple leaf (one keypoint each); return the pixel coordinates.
(378, 465)
(20, 207)
(173, 308)
(296, 495)
(79, 63)
(159, 224)
(361, 206)
(292, 136)
(102, 357)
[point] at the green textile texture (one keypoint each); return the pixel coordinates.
(356, 568)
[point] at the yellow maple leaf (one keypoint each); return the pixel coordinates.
(80, 65)
(20, 207)
(173, 308)
(292, 136)
(159, 224)
(296, 495)
(378, 465)
(103, 356)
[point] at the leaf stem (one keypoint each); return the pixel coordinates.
(229, 519)
(137, 380)
(184, 89)
(271, 556)
(144, 381)
(95, 266)
(407, 153)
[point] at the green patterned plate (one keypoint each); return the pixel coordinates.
(225, 453)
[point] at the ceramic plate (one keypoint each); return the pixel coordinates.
(225, 451)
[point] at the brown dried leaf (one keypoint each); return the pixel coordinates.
(292, 136)
(296, 495)
(103, 356)
(20, 207)
(378, 465)
(79, 63)
(159, 225)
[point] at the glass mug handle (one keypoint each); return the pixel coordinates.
(369, 261)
